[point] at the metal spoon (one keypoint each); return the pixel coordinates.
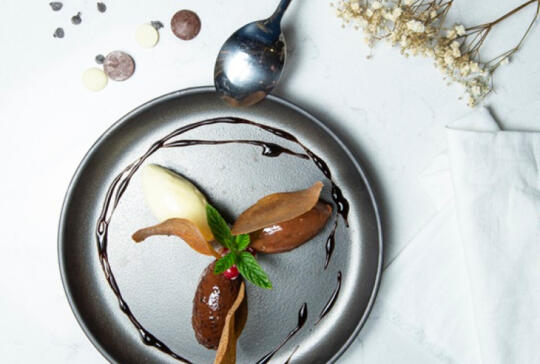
(250, 62)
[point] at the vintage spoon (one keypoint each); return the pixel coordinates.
(250, 62)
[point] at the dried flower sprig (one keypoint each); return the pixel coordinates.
(418, 28)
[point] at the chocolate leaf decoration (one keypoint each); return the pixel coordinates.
(184, 229)
(234, 324)
(276, 208)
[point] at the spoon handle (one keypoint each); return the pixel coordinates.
(278, 13)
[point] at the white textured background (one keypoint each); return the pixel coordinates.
(394, 110)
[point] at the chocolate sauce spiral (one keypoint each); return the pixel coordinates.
(122, 180)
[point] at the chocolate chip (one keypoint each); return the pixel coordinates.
(119, 66)
(56, 5)
(185, 24)
(156, 24)
(100, 59)
(59, 33)
(76, 19)
(101, 7)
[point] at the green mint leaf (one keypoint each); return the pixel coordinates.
(252, 271)
(242, 241)
(224, 263)
(219, 228)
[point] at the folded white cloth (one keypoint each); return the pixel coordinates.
(467, 286)
(496, 177)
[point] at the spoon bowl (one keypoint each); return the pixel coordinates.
(250, 62)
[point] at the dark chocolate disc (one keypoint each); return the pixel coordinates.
(119, 66)
(185, 24)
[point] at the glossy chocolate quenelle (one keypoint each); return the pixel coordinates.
(213, 299)
(289, 235)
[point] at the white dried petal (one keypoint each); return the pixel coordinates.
(376, 5)
(451, 34)
(460, 29)
(475, 90)
(416, 26)
(404, 42)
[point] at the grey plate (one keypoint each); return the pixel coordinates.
(158, 278)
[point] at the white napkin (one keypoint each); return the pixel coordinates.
(466, 287)
(496, 177)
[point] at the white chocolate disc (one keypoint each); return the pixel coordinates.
(147, 36)
(94, 79)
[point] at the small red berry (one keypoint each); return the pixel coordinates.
(224, 251)
(251, 250)
(231, 273)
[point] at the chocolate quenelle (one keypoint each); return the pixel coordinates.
(290, 234)
(213, 299)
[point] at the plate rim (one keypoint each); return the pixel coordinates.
(206, 89)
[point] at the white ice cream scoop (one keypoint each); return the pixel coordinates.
(170, 195)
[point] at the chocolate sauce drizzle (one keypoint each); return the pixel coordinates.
(121, 182)
(330, 244)
(268, 149)
(332, 299)
(302, 317)
(290, 356)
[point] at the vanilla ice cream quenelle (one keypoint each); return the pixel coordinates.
(170, 195)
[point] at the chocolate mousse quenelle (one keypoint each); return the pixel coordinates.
(276, 223)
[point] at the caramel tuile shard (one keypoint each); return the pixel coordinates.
(276, 208)
(184, 229)
(234, 323)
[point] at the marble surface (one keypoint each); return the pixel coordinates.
(390, 109)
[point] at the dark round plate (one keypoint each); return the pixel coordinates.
(158, 278)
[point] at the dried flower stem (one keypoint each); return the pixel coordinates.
(418, 28)
(482, 31)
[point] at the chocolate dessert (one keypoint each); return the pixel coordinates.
(214, 297)
(276, 223)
